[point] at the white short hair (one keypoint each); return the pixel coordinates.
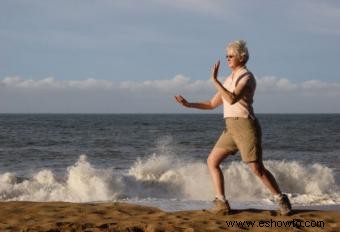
(240, 49)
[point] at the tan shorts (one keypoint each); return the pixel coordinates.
(244, 135)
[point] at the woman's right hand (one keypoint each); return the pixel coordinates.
(181, 100)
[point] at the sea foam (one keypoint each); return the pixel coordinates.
(169, 177)
(82, 183)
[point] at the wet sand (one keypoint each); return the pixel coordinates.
(63, 216)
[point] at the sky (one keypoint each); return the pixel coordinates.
(133, 56)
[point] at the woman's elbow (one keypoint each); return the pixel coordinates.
(213, 106)
(232, 101)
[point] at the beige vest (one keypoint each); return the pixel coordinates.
(243, 108)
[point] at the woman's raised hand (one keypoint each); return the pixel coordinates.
(214, 71)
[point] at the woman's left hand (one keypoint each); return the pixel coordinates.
(214, 71)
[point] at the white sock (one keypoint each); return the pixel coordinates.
(278, 196)
(221, 198)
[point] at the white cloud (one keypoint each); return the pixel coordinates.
(52, 83)
(266, 84)
(316, 85)
(270, 84)
(177, 83)
(156, 96)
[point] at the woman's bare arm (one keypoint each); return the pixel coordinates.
(230, 97)
(215, 101)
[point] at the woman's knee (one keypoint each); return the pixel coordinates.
(212, 163)
(216, 157)
(257, 168)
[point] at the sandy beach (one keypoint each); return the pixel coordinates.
(62, 216)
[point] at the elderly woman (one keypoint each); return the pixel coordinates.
(243, 131)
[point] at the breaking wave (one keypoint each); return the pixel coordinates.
(169, 177)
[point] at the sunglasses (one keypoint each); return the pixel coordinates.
(229, 56)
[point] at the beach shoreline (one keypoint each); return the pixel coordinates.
(118, 216)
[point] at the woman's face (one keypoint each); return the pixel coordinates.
(232, 60)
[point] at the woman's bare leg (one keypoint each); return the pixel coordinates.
(265, 176)
(216, 156)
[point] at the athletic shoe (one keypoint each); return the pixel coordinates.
(220, 207)
(284, 204)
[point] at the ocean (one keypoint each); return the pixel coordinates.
(160, 159)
